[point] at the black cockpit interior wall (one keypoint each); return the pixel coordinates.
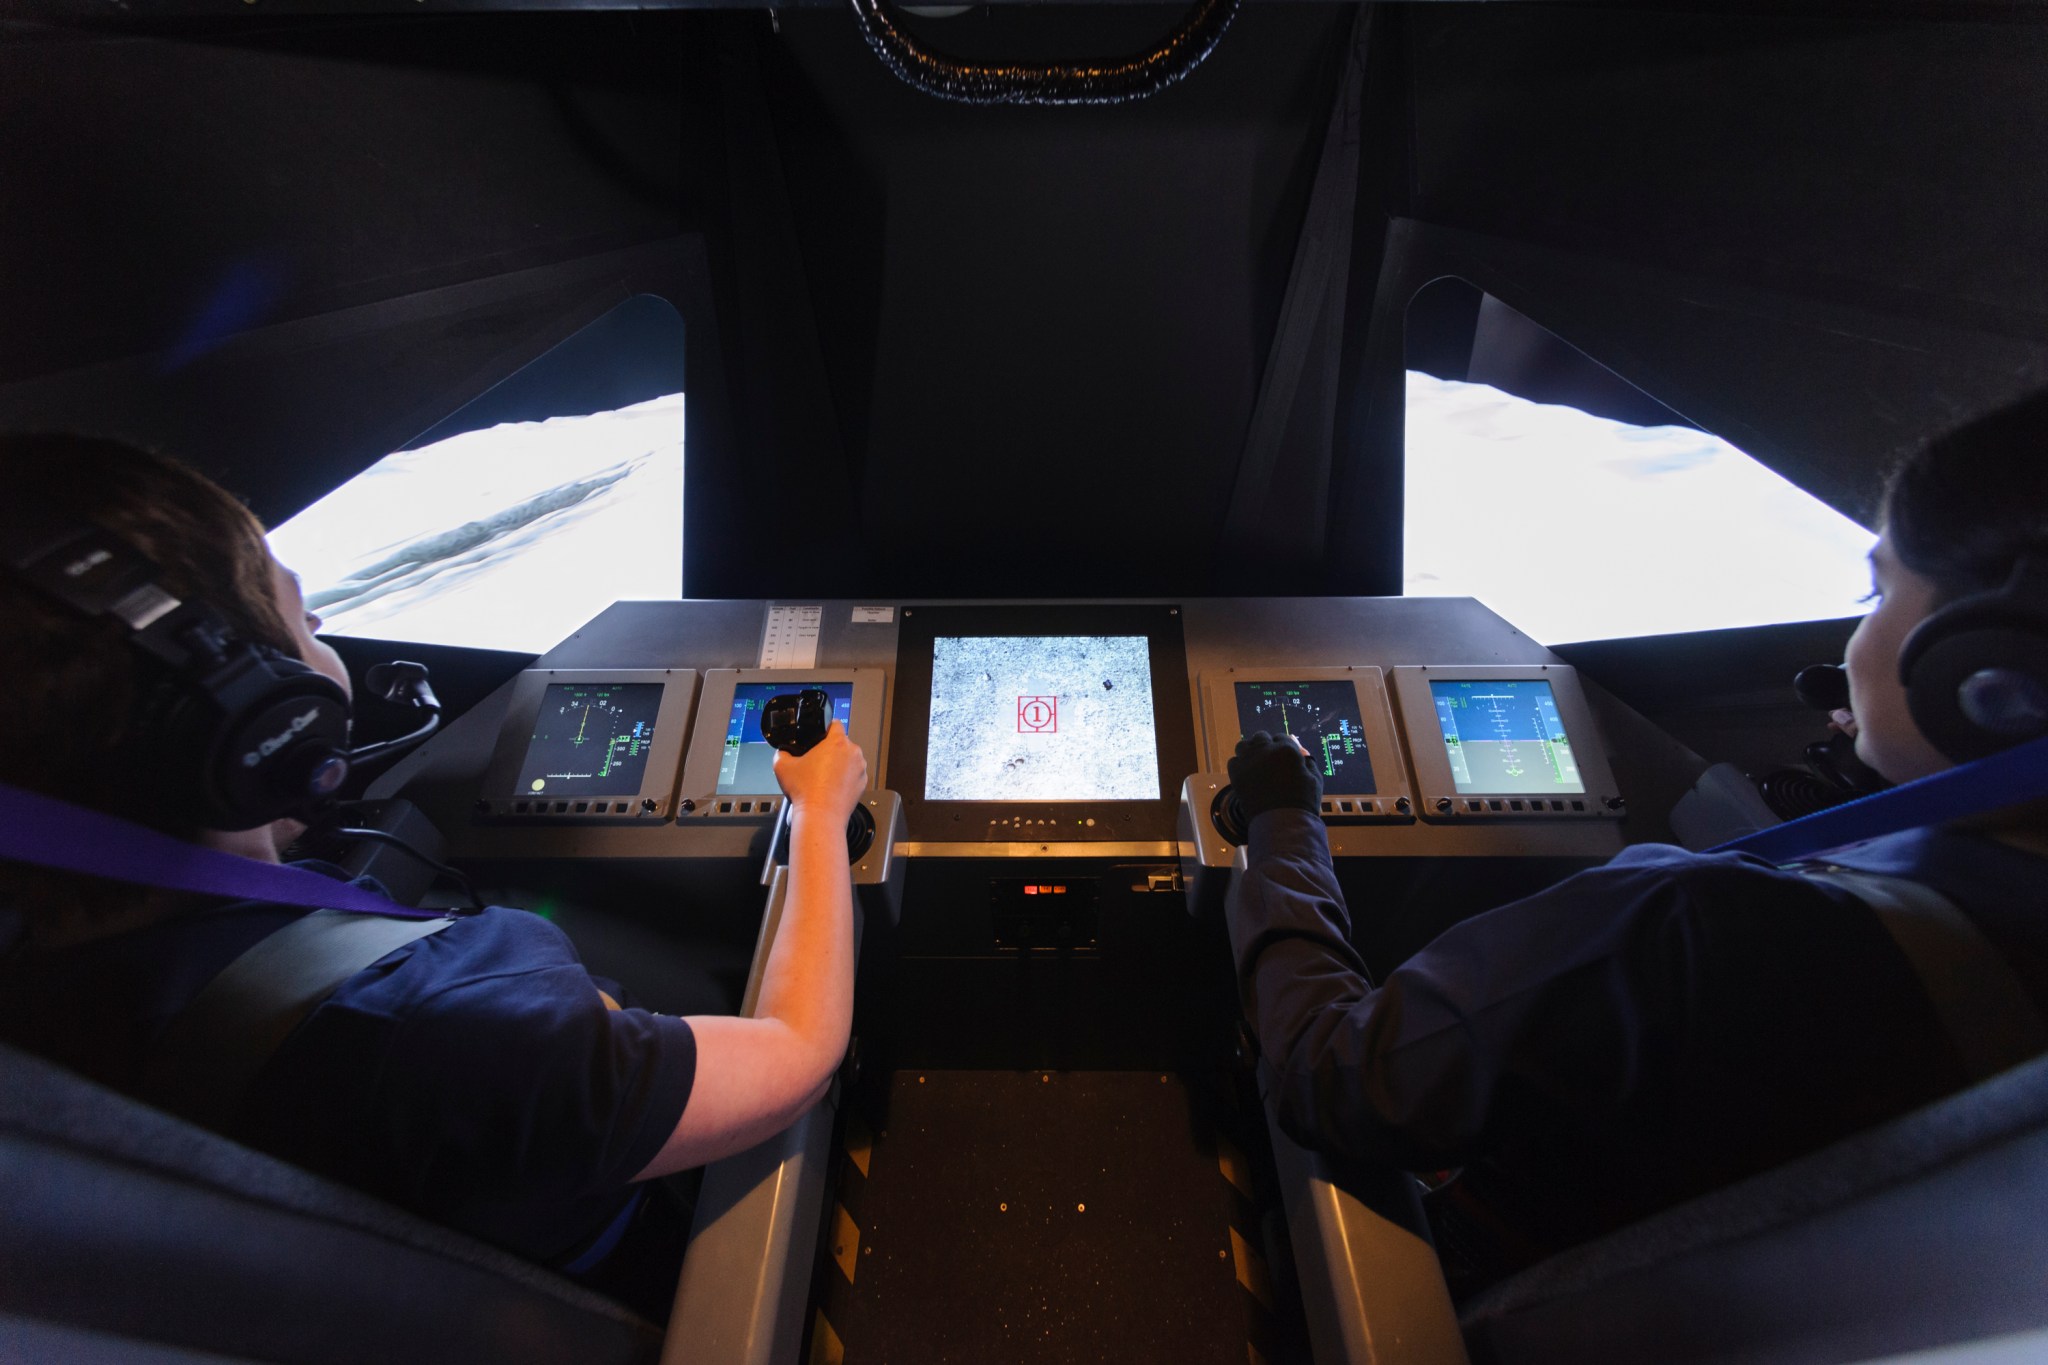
(937, 350)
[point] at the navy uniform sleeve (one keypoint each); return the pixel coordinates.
(1708, 1009)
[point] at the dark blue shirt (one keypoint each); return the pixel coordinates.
(474, 1076)
(1637, 1034)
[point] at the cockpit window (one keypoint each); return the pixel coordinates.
(523, 515)
(1579, 508)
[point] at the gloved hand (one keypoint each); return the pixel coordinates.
(1273, 774)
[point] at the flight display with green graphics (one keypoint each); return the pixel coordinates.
(1322, 717)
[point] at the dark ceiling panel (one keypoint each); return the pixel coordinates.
(165, 194)
(1876, 161)
(1074, 303)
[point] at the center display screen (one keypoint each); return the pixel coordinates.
(1505, 737)
(1041, 718)
(748, 765)
(590, 739)
(1323, 717)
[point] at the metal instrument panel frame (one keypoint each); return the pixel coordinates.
(1440, 798)
(1032, 824)
(497, 801)
(1383, 739)
(700, 797)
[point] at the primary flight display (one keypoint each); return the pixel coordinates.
(1505, 737)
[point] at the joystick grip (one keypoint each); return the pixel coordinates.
(796, 722)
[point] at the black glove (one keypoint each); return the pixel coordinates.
(1272, 774)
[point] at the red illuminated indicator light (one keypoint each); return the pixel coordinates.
(1030, 890)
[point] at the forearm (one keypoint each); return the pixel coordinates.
(807, 984)
(1298, 975)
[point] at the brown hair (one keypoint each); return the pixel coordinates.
(1968, 505)
(77, 683)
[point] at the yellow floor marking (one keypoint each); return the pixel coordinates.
(1235, 1168)
(827, 1348)
(1251, 1270)
(860, 1143)
(845, 1241)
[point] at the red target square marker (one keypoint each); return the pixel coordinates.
(1038, 715)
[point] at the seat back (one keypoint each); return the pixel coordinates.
(1927, 1230)
(123, 1226)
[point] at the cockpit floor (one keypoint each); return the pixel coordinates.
(992, 1216)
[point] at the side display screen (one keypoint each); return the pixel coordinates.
(1323, 716)
(1505, 737)
(1041, 718)
(748, 764)
(590, 739)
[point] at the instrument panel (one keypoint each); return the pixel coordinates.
(1044, 729)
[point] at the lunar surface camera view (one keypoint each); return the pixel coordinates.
(1041, 718)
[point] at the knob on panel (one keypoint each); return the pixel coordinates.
(1226, 812)
(860, 834)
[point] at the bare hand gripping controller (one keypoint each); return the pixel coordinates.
(795, 723)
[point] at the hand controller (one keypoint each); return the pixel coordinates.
(796, 722)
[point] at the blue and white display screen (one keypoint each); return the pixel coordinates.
(748, 765)
(1505, 737)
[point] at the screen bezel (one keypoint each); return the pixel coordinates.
(1032, 821)
(714, 715)
(1433, 779)
(664, 756)
(1219, 705)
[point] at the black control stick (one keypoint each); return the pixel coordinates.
(1833, 773)
(796, 722)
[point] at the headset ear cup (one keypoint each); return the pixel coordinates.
(1974, 690)
(194, 733)
(284, 731)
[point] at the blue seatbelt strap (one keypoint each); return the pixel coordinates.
(50, 833)
(1989, 784)
(607, 1241)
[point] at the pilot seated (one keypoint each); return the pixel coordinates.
(480, 1076)
(1670, 1022)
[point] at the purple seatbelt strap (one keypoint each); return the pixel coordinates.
(50, 833)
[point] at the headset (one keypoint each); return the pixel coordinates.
(228, 733)
(1976, 671)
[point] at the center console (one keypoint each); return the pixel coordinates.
(1048, 803)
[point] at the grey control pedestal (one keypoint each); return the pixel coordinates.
(746, 1277)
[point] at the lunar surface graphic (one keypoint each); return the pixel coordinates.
(1041, 718)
